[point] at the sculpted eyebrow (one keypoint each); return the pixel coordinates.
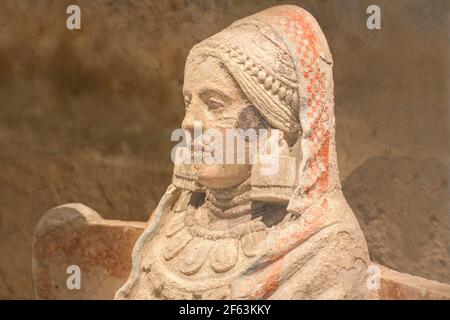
(208, 93)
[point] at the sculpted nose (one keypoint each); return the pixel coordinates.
(188, 121)
(193, 114)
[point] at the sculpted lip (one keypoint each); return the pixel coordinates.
(201, 152)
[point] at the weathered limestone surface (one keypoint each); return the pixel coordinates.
(74, 234)
(54, 246)
(402, 286)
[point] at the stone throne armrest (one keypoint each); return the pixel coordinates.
(74, 234)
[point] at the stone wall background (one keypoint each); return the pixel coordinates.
(86, 116)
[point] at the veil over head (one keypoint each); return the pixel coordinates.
(281, 61)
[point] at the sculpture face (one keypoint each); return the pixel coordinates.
(213, 99)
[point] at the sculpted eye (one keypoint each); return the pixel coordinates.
(214, 103)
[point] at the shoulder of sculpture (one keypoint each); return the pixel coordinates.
(181, 202)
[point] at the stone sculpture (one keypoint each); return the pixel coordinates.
(230, 232)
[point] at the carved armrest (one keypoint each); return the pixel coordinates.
(75, 235)
(403, 286)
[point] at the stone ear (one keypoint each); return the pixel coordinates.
(250, 118)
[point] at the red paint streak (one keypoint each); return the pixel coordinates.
(262, 283)
(322, 180)
(270, 278)
(314, 221)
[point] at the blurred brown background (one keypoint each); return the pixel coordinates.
(86, 116)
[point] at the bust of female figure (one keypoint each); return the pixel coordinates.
(227, 231)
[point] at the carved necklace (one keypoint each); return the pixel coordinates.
(232, 203)
(194, 243)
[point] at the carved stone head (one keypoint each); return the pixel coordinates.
(270, 70)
